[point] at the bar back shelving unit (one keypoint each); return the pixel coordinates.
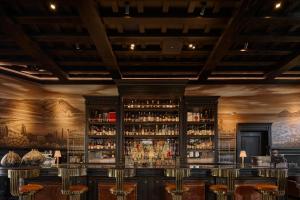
(201, 128)
(102, 127)
(151, 130)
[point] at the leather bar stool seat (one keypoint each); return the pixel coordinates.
(127, 189)
(171, 188)
(78, 189)
(30, 190)
(268, 191)
(247, 192)
(220, 190)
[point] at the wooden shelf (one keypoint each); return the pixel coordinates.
(91, 150)
(200, 149)
(199, 136)
(152, 109)
(101, 123)
(151, 136)
(201, 122)
(102, 136)
(149, 123)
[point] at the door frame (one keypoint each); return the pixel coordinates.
(259, 127)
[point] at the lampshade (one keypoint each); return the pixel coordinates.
(57, 154)
(243, 154)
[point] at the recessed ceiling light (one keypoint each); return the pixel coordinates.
(192, 46)
(132, 46)
(52, 6)
(278, 5)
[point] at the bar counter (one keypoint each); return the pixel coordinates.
(150, 181)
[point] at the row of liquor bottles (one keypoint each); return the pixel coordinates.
(203, 116)
(102, 144)
(200, 144)
(151, 117)
(207, 129)
(152, 130)
(100, 116)
(102, 130)
(154, 152)
(151, 103)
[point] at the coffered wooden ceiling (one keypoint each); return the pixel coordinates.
(90, 41)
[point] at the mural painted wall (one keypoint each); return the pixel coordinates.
(279, 104)
(36, 116)
(33, 115)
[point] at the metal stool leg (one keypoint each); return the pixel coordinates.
(176, 197)
(75, 197)
(221, 196)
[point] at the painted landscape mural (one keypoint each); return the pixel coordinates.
(33, 115)
(278, 104)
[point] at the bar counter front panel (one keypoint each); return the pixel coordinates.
(150, 182)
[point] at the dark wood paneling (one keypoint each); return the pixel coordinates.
(51, 191)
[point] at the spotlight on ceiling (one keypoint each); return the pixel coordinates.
(52, 6)
(277, 5)
(202, 12)
(132, 46)
(127, 9)
(77, 47)
(245, 47)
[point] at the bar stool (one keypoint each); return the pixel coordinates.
(67, 173)
(224, 190)
(17, 187)
(271, 191)
(119, 190)
(178, 189)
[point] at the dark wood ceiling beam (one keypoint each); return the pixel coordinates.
(167, 21)
(246, 63)
(81, 63)
(226, 39)
(84, 52)
(9, 62)
(159, 53)
(157, 72)
(63, 38)
(284, 66)
(274, 20)
(49, 20)
(162, 64)
(92, 21)
(258, 53)
(159, 39)
(268, 38)
(291, 20)
(30, 47)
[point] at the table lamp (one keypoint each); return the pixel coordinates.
(57, 155)
(243, 155)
